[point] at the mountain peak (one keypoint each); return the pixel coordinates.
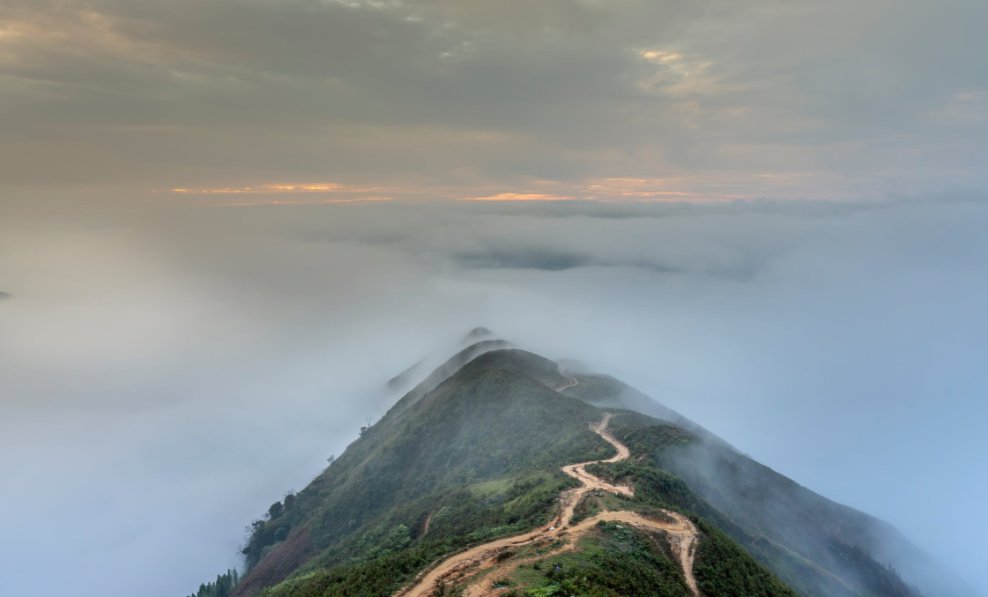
(479, 450)
(477, 333)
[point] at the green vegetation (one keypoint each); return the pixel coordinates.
(721, 567)
(385, 555)
(478, 457)
(612, 560)
(222, 587)
(804, 539)
(380, 576)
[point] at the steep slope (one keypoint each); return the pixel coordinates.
(483, 423)
(475, 342)
(803, 524)
(829, 564)
(441, 373)
(854, 546)
(483, 452)
(478, 457)
(604, 391)
(497, 559)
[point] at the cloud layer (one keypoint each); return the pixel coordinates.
(714, 100)
(220, 233)
(169, 372)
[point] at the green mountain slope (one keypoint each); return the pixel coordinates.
(474, 453)
(480, 452)
(817, 545)
(807, 554)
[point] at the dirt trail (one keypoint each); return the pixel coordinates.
(570, 382)
(494, 557)
(428, 521)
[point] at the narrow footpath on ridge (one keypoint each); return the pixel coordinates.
(493, 558)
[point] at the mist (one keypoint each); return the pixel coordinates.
(167, 373)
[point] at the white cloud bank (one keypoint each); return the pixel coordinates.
(166, 377)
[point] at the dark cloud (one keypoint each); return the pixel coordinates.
(157, 94)
(548, 260)
(523, 259)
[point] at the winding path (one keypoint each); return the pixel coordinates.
(570, 382)
(494, 557)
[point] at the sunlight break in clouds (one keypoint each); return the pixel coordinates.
(322, 187)
(290, 194)
(519, 197)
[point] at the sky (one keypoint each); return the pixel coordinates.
(224, 225)
(640, 99)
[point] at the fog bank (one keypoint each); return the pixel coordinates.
(166, 373)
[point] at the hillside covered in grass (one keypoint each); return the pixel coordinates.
(478, 456)
(475, 455)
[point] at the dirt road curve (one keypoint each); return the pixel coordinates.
(570, 382)
(681, 533)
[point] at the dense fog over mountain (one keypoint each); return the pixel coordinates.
(225, 225)
(169, 371)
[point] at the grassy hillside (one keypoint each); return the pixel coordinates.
(613, 560)
(473, 458)
(480, 454)
(443, 372)
(473, 453)
(814, 544)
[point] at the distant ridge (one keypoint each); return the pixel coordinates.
(405, 379)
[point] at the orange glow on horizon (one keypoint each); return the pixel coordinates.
(280, 187)
(679, 188)
(519, 197)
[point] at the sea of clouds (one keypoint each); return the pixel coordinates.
(166, 373)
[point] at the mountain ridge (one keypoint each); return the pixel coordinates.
(444, 441)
